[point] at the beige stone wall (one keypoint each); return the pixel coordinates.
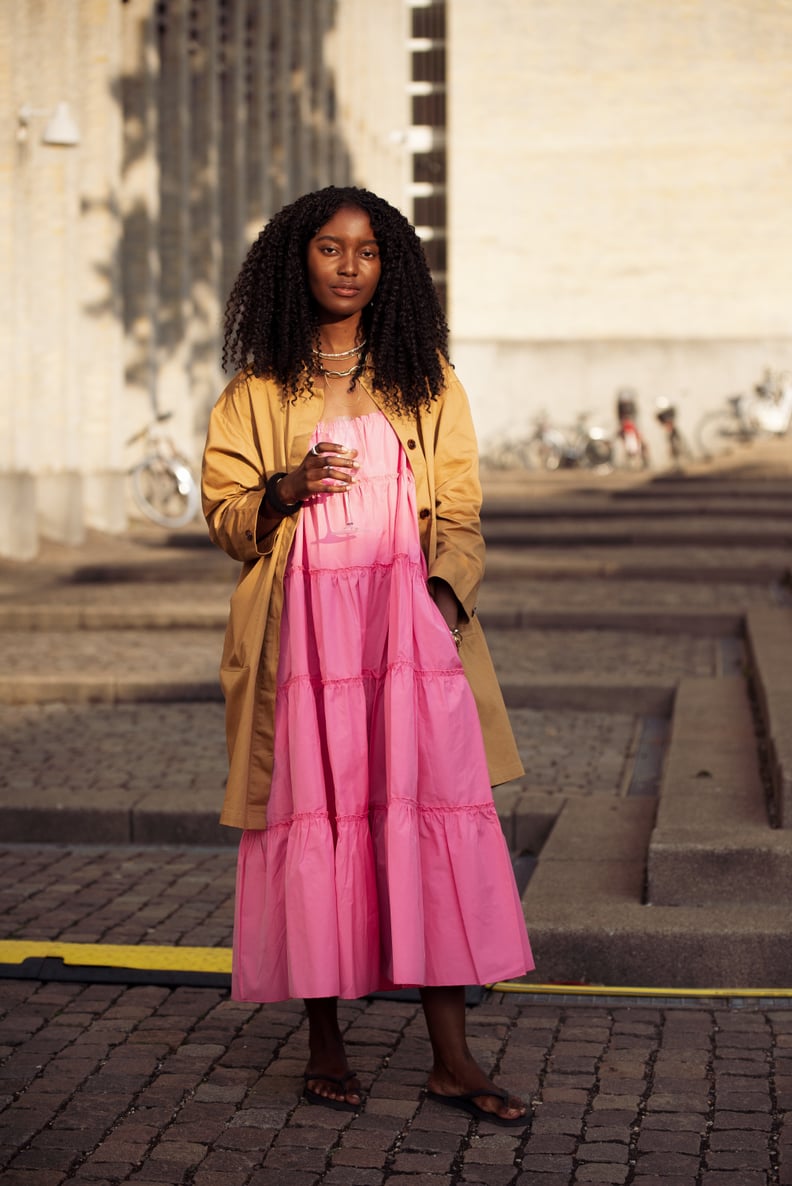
(59, 304)
(197, 121)
(620, 174)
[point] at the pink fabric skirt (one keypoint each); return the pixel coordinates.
(383, 863)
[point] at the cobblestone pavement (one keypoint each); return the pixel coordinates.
(117, 894)
(109, 1083)
(104, 1084)
(92, 754)
(520, 654)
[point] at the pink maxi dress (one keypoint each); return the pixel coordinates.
(383, 863)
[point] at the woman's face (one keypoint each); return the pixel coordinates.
(344, 264)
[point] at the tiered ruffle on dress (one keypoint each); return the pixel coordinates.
(383, 863)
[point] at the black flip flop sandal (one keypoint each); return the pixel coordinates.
(313, 1097)
(466, 1103)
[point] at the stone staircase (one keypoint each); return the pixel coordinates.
(642, 633)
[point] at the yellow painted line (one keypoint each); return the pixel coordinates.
(108, 955)
(609, 990)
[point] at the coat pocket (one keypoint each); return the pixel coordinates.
(503, 760)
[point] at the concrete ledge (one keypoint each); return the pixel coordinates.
(625, 943)
(53, 821)
(680, 532)
(649, 697)
(115, 617)
(588, 922)
(703, 623)
(769, 640)
(527, 818)
(503, 563)
(100, 689)
(713, 844)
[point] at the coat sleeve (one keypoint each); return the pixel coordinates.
(234, 475)
(459, 558)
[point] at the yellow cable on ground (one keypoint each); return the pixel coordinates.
(608, 990)
(152, 957)
(108, 955)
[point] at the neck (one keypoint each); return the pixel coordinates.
(336, 336)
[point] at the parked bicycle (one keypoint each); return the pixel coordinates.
(666, 416)
(583, 446)
(162, 484)
(632, 450)
(767, 411)
(588, 447)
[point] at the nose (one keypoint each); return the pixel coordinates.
(347, 264)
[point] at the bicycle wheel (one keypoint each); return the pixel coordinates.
(598, 454)
(544, 452)
(165, 491)
(718, 433)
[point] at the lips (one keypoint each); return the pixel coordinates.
(344, 290)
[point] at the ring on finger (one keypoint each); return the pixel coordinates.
(314, 450)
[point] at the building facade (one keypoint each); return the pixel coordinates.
(602, 187)
(620, 213)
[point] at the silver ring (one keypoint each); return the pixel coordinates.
(314, 450)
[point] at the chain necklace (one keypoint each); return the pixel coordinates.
(338, 374)
(343, 354)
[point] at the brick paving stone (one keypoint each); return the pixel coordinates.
(281, 1177)
(605, 1151)
(653, 1179)
(741, 1178)
(552, 1142)
(539, 1179)
(490, 1175)
(658, 1141)
(541, 1163)
(36, 1177)
(601, 1175)
(409, 1180)
(346, 1176)
(730, 1120)
(215, 1178)
(667, 1163)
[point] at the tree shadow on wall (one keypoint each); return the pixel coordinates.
(228, 114)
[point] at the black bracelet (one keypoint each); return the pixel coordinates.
(275, 500)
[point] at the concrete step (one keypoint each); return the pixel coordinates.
(713, 843)
(769, 642)
(685, 531)
(715, 565)
(589, 921)
(646, 505)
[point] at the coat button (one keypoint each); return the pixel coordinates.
(424, 513)
(248, 535)
(411, 443)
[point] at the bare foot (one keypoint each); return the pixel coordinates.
(338, 1086)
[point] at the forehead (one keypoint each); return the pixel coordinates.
(349, 222)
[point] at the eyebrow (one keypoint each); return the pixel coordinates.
(337, 239)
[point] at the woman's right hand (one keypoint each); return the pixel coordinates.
(327, 467)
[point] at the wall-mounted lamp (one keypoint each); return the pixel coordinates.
(61, 128)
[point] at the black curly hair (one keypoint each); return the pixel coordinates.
(271, 320)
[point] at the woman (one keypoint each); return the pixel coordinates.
(360, 768)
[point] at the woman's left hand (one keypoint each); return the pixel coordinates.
(446, 602)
